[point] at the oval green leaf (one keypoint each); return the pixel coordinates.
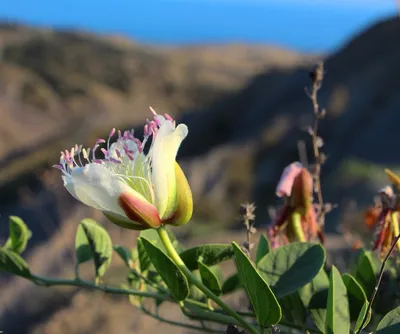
(168, 270)
(364, 271)
(124, 254)
(93, 242)
(356, 295)
(12, 263)
(262, 248)
(315, 296)
(231, 284)
(144, 260)
(289, 268)
(337, 311)
(209, 279)
(266, 306)
(210, 255)
(361, 317)
(390, 324)
(19, 235)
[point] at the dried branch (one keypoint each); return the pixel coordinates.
(247, 217)
(317, 76)
(379, 281)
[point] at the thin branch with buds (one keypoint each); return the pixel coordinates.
(379, 281)
(247, 217)
(317, 76)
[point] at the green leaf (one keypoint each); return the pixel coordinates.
(293, 309)
(210, 254)
(390, 324)
(319, 283)
(209, 279)
(355, 294)
(337, 312)
(315, 296)
(19, 235)
(361, 317)
(231, 284)
(93, 242)
(262, 248)
(152, 235)
(289, 268)
(83, 252)
(168, 270)
(13, 263)
(124, 254)
(144, 260)
(195, 292)
(266, 307)
(364, 271)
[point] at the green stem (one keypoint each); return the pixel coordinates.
(150, 283)
(180, 324)
(163, 234)
(85, 284)
(200, 314)
(295, 230)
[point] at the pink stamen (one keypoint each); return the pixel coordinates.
(105, 152)
(168, 117)
(97, 161)
(112, 132)
(153, 111)
(115, 161)
(100, 141)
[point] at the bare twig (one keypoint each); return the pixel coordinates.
(317, 75)
(247, 217)
(379, 281)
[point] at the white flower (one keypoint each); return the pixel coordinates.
(133, 189)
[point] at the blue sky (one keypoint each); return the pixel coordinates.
(306, 25)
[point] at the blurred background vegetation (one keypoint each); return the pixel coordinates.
(239, 86)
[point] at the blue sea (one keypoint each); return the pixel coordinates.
(304, 25)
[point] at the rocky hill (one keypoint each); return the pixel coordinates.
(245, 107)
(58, 88)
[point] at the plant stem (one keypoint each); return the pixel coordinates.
(180, 324)
(163, 234)
(200, 314)
(85, 284)
(150, 283)
(380, 275)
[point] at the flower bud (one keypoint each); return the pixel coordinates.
(300, 198)
(184, 200)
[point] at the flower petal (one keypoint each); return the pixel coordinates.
(184, 208)
(163, 155)
(95, 186)
(285, 184)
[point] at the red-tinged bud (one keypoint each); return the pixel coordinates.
(139, 210)
(301, 197)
